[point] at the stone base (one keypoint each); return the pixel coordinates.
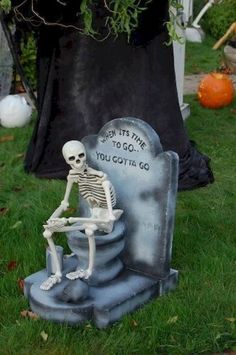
(74, 302)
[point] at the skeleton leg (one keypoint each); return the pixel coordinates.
(85, 274)
(92, 251)
(56, 278)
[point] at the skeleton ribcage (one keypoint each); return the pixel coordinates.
(91, 189)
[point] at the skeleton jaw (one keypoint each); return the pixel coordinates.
(78, 167)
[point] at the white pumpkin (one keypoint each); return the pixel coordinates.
(14, 111)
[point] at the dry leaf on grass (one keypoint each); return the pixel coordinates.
(21, 283)
(231, 319)
(11, 265)
(20, 155)
(29, 314)
(3, 210)
(71, 210)
(172, 320)
(44, 335)
(4, 139)
(17, 188)
(133, 323)
(16, 225)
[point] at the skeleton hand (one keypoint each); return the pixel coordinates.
(57, 221)
(54, 223)
(112, 218)
(72, 176)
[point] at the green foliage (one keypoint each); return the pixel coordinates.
(197, 6)
(28, 60)
(5, 5)
(219, 18)
(173, 23)
(122, 16)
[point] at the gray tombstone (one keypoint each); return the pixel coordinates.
(145, 179)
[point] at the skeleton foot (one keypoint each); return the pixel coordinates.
(79, 274)
(50, 282)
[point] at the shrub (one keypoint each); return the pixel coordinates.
(219, 18)
(28, 59)
(197, 6)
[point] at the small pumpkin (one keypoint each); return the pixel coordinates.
(216, 90)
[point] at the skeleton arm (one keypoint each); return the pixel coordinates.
(65, 202)
(96, 172)
(106, 185)
(71, 178)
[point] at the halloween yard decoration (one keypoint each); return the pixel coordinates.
(216, 90)
(14, 111)
(99, 193)
(84, 82)
(129, 258)
(230, 56)
(229, 33)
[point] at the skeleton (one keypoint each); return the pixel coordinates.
(99, 193)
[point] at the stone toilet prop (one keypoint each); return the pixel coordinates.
(118, 261)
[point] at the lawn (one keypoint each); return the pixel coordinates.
(201, 58)
(199, 317)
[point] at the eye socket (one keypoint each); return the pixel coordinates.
(71, 158)
(81, 155)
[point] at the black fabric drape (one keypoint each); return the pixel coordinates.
(83, 83)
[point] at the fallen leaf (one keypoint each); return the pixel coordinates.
(20, 155)
(233, 110)
(71, 210)
(231, 319)
(21, 283)
(7, 139)
(3, 210)
(16, 225)
(172, 320)
(134, 323)
(29, 314)
(11, 265)
(44, 335)
(17, 189)
(27, 205)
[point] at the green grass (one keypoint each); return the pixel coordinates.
(199, 317)
(201, 58)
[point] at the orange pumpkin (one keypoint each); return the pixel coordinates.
(215, 90)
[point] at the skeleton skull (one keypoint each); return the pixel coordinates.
(74, 154)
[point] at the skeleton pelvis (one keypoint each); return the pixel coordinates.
(103, 215)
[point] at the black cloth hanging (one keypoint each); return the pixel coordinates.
(83, 83)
